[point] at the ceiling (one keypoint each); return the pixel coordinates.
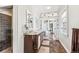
(46, 9)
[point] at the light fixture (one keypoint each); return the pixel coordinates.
(48, 7)
(55, 14)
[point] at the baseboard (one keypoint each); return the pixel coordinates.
(64, 47)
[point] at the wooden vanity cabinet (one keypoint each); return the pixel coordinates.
(30, 43)
(28, 48)
(75, 40)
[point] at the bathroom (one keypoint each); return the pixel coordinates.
(39, 20)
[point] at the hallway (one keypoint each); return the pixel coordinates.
(51, 46)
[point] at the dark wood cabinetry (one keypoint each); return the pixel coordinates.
(75, 40)
(31, 43)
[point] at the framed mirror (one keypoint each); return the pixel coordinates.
(29, 20)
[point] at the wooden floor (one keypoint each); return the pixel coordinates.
(56, 47)
(52, 46)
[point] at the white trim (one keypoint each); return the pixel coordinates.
(64, 47)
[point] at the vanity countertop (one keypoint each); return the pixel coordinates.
(33, 33)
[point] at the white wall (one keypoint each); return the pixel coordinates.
(19, 19)
(73, 18)
(63, 38)
(15, 29)
(36, 20)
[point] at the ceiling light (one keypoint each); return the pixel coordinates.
(55, 14)
(48, 7)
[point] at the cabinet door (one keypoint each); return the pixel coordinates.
(35, 43)
(75, 41)
(28, 44)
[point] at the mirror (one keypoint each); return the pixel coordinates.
(29, 20)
